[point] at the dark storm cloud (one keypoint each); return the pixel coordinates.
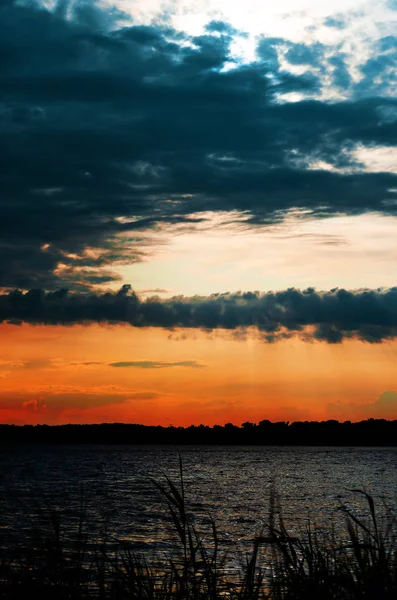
(108, 131)
(333, 316)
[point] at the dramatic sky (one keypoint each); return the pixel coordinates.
(198, 211)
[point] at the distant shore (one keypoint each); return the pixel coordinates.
(371, 432)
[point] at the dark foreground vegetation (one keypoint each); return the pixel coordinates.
(371, 432)
(68, 565)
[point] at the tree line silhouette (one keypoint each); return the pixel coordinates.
(371, 432)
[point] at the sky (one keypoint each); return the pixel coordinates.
(198, 211)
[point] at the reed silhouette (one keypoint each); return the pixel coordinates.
(68, 564)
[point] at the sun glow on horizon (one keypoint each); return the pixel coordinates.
(186, 377)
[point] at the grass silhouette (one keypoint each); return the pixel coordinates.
(62, 564)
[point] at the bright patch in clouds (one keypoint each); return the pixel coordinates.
(302, 252)
(377, 159)
(288, 18)
(351, 27)
(361, 159)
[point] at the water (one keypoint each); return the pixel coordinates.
(114, 485)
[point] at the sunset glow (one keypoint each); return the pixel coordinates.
(117, 373)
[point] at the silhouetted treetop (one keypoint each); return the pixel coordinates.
(371, 432)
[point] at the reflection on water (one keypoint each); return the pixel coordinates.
(113, 486)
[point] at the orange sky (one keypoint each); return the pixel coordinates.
(63, 374)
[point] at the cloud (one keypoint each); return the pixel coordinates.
(35, 405)
(383, 408)
(95, 395)
(150, 364)
(37, 363)
(330, 316)
(42, 363)
(111, 132)
(87, 363)
(386, 404)
(154, 291)
(58, 402)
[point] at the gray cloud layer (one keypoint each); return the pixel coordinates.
(110, 130)
(369, 315)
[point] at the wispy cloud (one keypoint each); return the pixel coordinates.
(34, 405)
(154, 291)
(37, 363)
(151, 364)
(88, 363)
